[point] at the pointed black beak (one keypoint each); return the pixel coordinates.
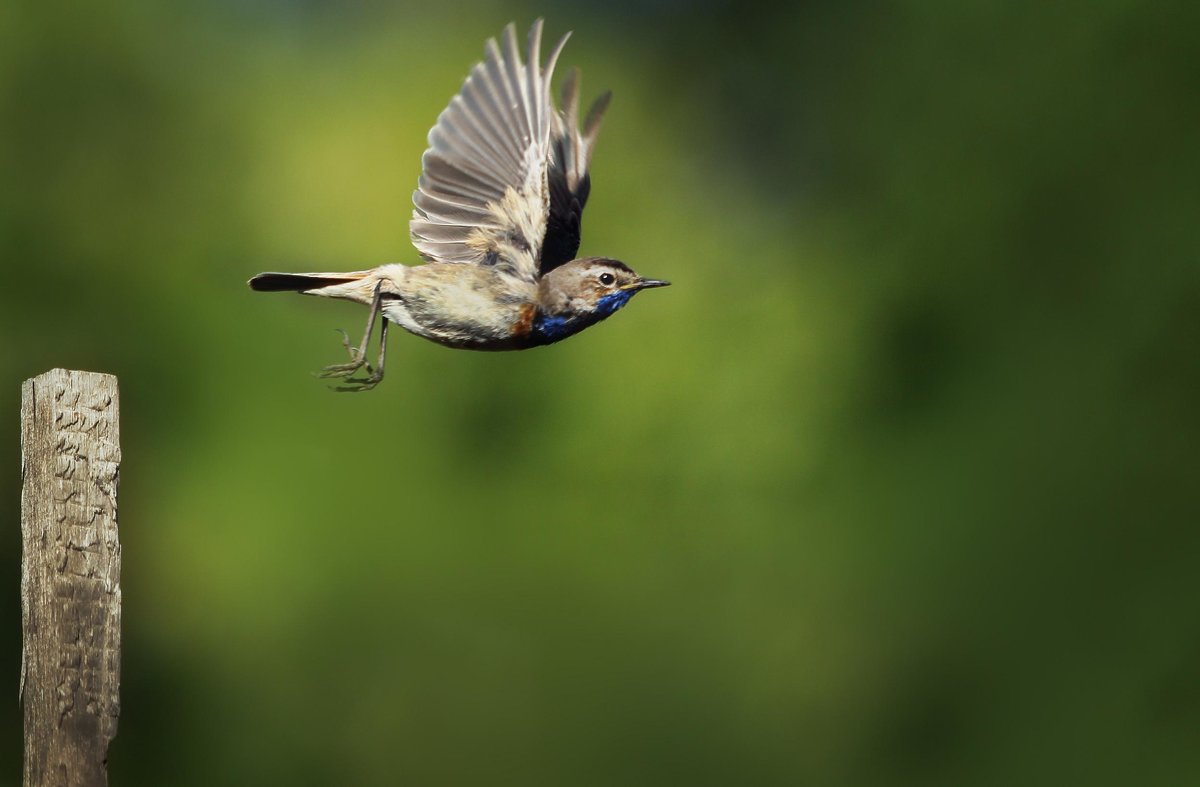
(646, 284)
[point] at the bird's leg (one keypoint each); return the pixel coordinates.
(374, 376)
(358, 355)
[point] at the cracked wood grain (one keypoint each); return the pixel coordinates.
(70, 576)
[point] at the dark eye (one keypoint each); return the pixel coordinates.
(607, 279)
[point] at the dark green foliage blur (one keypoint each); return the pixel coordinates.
(898, 484)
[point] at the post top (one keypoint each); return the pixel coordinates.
(75, 376)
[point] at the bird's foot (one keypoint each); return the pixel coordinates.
(358, 358)
(357, 384)
(346, 370)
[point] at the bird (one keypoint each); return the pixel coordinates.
(496, 219)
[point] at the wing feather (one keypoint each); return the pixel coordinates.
(568, 178)
(483, 195)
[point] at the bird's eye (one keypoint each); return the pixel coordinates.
(607, 279)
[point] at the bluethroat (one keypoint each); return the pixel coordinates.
(497, 221)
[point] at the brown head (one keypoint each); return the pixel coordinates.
(582, 292)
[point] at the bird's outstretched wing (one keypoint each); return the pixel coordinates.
(568, 178)
(483, 196)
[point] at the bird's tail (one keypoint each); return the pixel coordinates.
(355, 285)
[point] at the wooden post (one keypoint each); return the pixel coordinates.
(70, 576)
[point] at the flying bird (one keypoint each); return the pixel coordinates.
(496, 218)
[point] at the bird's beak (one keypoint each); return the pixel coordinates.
(645, 284)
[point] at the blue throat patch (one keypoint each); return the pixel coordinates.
(613, 301)
(551, 328)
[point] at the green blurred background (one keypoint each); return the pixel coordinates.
(896, 485)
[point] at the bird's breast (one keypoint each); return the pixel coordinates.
(464, 306)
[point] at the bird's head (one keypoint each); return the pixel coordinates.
(582, 292)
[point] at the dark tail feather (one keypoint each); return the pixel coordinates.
(294, 282)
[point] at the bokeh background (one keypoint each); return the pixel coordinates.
(898, 484)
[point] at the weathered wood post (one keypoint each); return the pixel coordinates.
(70, 576)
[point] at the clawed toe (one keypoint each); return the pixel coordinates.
(354, 385)
(344, 369)
(352, 350)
